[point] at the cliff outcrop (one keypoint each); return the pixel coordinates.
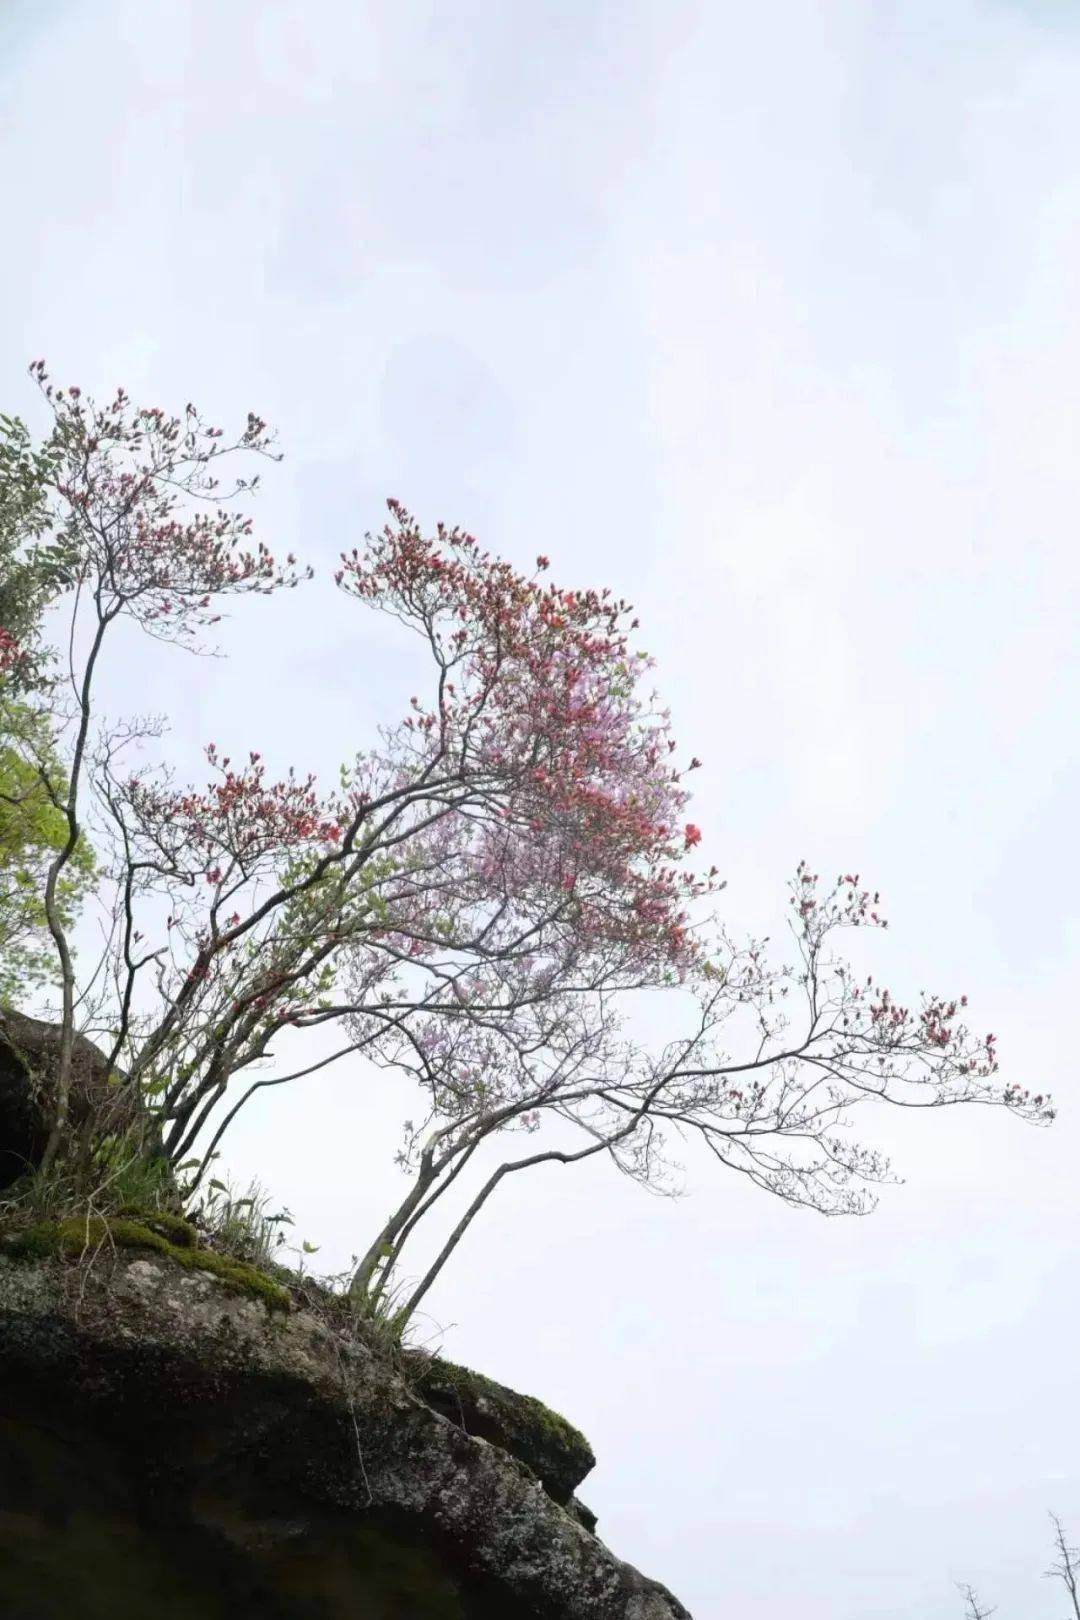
(174, 1444)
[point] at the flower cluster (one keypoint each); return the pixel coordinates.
(238, 821)
(539, 713)
(141, 515)
(10, 651)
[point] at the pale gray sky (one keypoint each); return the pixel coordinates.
(768, 316)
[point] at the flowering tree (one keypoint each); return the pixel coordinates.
(482, 900)
(111, 488)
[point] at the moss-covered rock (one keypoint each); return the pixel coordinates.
(86, 1238)
(180, 1232)
(557, 1453)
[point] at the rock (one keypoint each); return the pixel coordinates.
(29, 1052)
(170, 1447)
(554, 1450)
(584, 1515)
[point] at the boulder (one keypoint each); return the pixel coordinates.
(29, 1054)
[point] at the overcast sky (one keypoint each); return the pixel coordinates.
(768, 316)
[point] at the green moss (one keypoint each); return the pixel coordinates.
(542, 1417)
(77, 1236)
(525, 1409)
(550, 1447)
(179, 1232)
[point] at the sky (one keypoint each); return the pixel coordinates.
(768, 317)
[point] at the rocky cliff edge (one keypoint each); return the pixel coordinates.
(172, 1446)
